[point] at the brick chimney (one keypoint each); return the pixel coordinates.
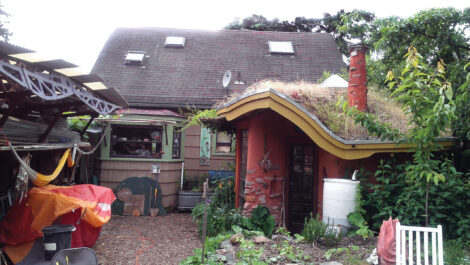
(357, 86)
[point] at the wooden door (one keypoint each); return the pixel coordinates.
(301, 186)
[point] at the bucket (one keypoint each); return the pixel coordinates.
(339, 199)
(56, 238)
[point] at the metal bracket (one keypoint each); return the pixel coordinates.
(53, 87)
(99, 105)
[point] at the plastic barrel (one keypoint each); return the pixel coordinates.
(339, 199)
(56, 238)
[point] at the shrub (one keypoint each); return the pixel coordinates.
(314, 229)
(260, 220)
(392, 194)
(454, 253)
(221, 211)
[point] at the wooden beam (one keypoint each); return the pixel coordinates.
(49, 129)
(88, 124)
(13, 103)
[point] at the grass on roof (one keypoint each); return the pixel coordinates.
(322, 103)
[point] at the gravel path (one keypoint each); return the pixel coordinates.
(147, 240)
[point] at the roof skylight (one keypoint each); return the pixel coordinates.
(172, 41)
(134, 58)
(281, 47)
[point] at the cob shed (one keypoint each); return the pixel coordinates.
(293, 136)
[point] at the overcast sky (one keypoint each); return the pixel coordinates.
(76, 30)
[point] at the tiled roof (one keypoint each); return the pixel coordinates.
(174, 77)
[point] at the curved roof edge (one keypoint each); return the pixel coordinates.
(312, 126)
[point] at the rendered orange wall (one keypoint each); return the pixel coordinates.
(265, 186)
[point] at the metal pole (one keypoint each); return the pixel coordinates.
(182, 175)
(204, 224)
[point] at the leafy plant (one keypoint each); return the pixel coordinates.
(428, 101)
(261, 220)
(287, 252)
(282, 231)
(347, 254)
(221, 211)
(247, 233)
(78, 124)
(211, 245)
(355, 218)
(314, 229)
(249, 254)
(454, 253)
(393, 194)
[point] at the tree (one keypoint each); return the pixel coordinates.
(354, 24)
(4, 32)
(438, 33)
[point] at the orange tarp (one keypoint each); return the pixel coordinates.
(44, 205)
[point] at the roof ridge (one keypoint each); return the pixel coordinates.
(219, 30)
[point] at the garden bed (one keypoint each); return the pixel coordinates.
(171, 239)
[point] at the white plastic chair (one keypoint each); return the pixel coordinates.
(416, 252)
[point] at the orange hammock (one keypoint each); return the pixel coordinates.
(39, 179)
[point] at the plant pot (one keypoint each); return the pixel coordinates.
(188, 199)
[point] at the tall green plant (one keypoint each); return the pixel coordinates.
(392, 193)
(428, 101)
(221, 211)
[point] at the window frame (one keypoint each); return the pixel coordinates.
(176, 130)
(115, 139)
(215, 144)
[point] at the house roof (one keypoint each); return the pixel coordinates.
(172, 77)
(311, 125)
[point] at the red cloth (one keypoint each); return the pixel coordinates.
(45, 205)
(386, 243)
(85, 235)
(15, 228)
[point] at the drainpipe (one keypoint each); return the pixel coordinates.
(357, 86)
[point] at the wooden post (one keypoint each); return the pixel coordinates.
(204, 223)
(49, 129)
(87, 125)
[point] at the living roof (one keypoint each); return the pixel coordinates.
(173, 77)
(300, 103)
(323, 103)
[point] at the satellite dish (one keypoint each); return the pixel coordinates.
(226, 78)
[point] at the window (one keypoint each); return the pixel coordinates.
(281, 47)
(134, 58)
(176, 147)
(224, 143)
(136, 141)
(172, 41)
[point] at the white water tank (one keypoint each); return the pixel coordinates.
(339, 199)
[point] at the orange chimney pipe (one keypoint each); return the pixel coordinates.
(357, 86)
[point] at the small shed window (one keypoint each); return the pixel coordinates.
(136, 141)
(135, 58)
(224, 143)
(176, 148)
(281, 47)
(172, 41)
